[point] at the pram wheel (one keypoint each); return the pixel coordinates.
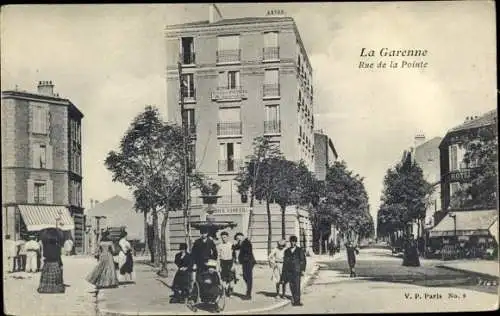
(193, 297)
(220, 304)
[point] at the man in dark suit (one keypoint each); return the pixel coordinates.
(203, 250)
(294, 265)
(247, 261)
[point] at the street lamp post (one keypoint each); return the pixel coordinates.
(454, 216)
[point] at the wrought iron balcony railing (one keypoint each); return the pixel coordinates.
(187, 58)
(272, 127)
(230, 166)
(228, 56)
(271, 53)
(271, 90)
(229, 128)
(227, 94)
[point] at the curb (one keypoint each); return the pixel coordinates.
(479, 274)
(307, 282)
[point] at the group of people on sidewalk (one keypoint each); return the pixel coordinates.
(114, 265)
(287, 264)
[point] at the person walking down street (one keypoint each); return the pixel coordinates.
(247, 261)
(276, 264)
(125, 260)
(294, 265)
(21, 255)
(227, 272)
(204, 249)
(10, 253)
(331, 248)
(39, 255)
(51, 278)
(352, 251)
(181, 282)
(32, 250)
(410, 254)
(104, 273)
(68, 247)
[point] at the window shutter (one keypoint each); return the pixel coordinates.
(49, 192)
(35, 149)
(48, 159)
(31, 191)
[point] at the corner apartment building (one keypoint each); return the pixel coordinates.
(41, 163)
(242, 78)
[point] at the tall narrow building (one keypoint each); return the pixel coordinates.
(41, 164)
(242, 78)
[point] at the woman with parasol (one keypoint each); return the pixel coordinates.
(51, 278)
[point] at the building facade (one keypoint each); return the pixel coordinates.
(41, 163)
(324, 154)
(242, 78)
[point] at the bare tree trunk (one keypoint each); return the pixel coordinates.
(269, 228)
(146, 231)
(320, 242)
(283, 230)
(156, 239)
(164, 271)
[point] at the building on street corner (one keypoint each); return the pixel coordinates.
(41, 163)
(242, 78)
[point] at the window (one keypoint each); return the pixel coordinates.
(453, 158)
(228, 42)
(40, 156)
(229, 115)
(229, 156)
(271, 82)
(39, 118)
(271, 39)
(192, 155)
(454, 187)
(43, 156)
(40, 192)
(188, 86)
(187, 49)
(273, 113)
(190, 119)
(233, 79)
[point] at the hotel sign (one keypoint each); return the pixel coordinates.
(230, 210)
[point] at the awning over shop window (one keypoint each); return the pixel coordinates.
(468, 223)
(38, 217)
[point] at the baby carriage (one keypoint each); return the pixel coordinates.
(207, 288)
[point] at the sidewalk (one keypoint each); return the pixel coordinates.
(150, 294)
(488, 268)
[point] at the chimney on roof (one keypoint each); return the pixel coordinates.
(46, 88)
(419, 139)
(214, 13)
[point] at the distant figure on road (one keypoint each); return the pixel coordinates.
(68, 247)
(51, 278)
(32, 249)
(331, 248)
(294, 265)
(10, 252)
(352, 251)
(21, 255)
(410, 254)
(104, 274)
(276, 263)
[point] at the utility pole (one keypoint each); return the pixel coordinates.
(187, 188)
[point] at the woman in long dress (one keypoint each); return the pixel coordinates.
(104, 274)
(276, 264)
(182, 278)
(51, 278)
(125, 260)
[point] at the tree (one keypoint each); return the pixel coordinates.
(404, 198)
(150, 162)
(481, 156)
(259, 177)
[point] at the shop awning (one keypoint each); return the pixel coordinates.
(38, 217)
(468, 223)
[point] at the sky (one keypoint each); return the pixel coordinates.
(110, 61)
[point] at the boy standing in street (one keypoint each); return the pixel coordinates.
(226, 262)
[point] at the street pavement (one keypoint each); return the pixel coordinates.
(22, 299)
(383, 285)
(150, 295)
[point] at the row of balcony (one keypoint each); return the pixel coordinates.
(235, 93)
(235, 128)
(231, 56)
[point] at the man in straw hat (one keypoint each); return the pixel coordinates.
(276, 264)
